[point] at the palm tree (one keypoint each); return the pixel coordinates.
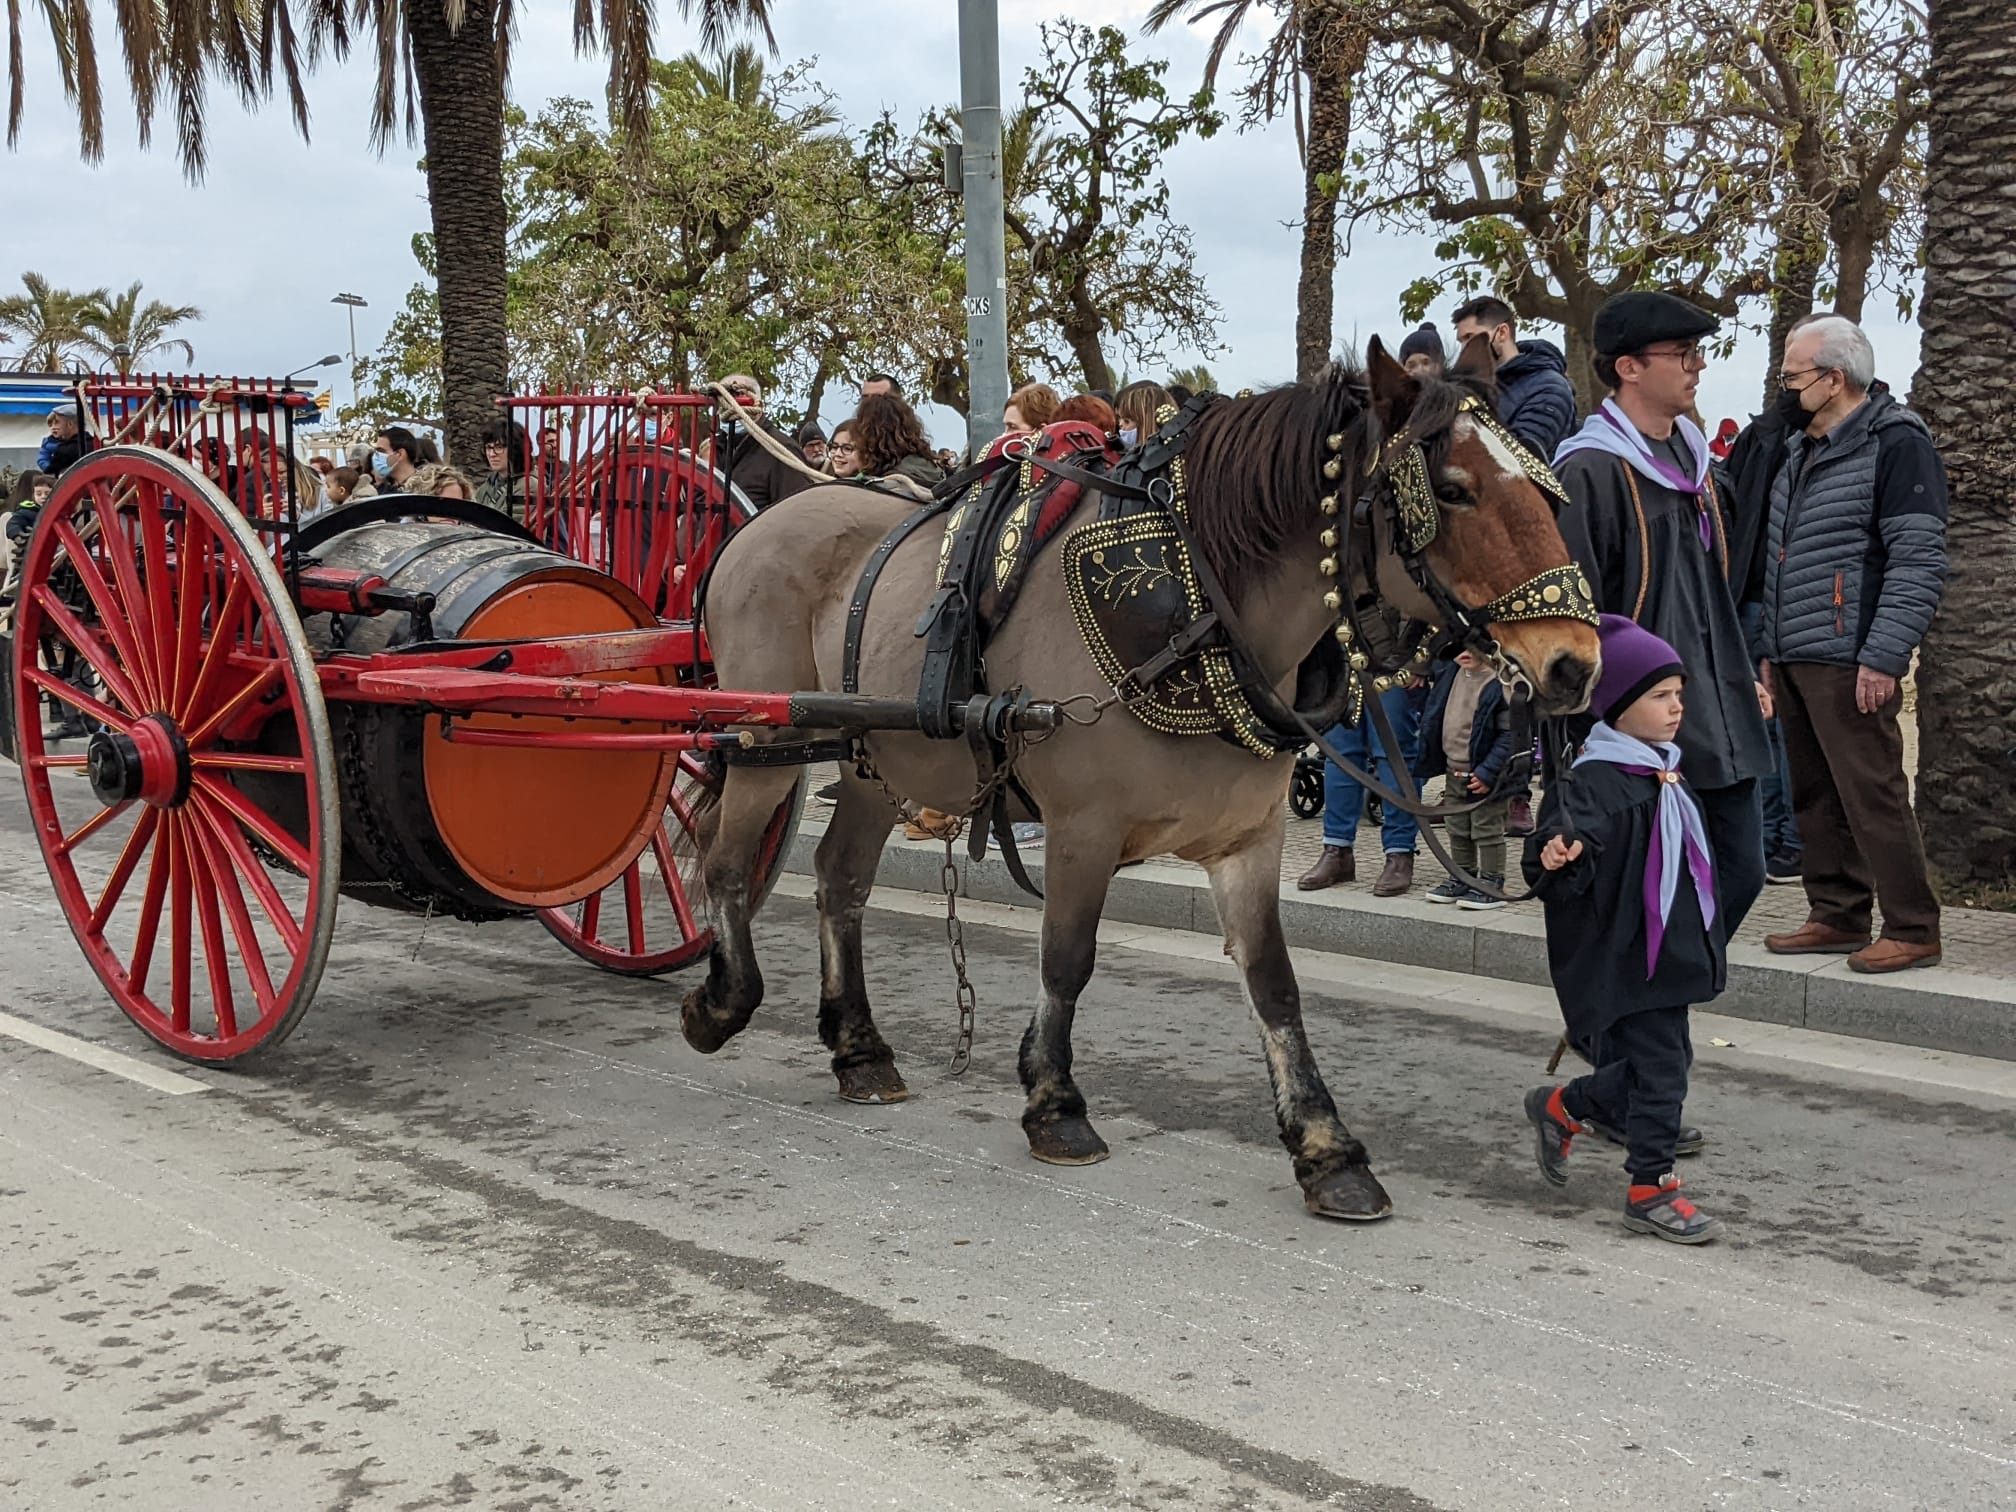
(1313, 47)
(125, 332)
(47, 323)
(1197, 379)
(1967, 722)
(441, 67)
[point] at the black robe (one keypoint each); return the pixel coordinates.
(1688, 604)
(1596, 905)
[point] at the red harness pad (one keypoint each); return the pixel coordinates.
(1077, 441)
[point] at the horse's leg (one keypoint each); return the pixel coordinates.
(1076, 870)
(848, 855)
(717, 1010)
(1336, 1179)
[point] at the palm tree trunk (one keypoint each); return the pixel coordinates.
(1332, 54)
(462, 103)
(1797, 272)
(1967, 674)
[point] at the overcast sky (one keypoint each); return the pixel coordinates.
(278, 226)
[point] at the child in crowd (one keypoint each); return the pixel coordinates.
(34, 490)
(1466, 733)
(1621, 860)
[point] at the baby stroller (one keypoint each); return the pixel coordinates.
(1305, 791)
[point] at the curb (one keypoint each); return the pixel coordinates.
(1934, 1008)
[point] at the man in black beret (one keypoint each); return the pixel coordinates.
(1647, 524)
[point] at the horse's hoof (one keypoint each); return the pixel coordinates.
(703, 1031)
(1352, 1194)
(1066, 1141)
(872, 1082)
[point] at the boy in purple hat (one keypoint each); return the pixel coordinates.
(1621, 860)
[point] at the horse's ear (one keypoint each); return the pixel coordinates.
(1476, 360)
(1394, 390)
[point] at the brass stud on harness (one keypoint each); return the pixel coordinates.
(1328, 566)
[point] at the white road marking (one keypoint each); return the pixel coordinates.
(174, 1083)
(1471, 996)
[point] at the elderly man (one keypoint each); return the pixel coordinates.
(1854, 563)
(65, 445)
(1649, 526)
(749, 464)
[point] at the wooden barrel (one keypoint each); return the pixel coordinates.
(482, 831)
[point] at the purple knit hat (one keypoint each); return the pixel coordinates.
(1633, 660)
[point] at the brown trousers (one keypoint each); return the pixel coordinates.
(1859, 835)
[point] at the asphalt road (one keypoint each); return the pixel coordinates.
(486, 1233)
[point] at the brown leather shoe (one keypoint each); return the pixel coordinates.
(929, 824)
(1396, 877)
(1893, 955)
(1335, 866)
(1815, 939)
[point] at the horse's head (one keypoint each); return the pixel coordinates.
(1463, 517)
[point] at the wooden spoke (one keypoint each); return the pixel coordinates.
(90, 827)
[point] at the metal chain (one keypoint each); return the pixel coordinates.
(955, 941)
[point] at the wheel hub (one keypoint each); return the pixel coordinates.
(151, 764)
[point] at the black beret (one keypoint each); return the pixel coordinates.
(1631, 322)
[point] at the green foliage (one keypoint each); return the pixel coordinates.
(122, 321)
(47, 325)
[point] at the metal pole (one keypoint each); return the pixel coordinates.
(986, 238)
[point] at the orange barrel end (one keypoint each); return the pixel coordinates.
(543, 827)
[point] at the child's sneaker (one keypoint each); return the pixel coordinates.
(1553, 1132)
(1448, 890)
(1661, 1210)
(1474, 900)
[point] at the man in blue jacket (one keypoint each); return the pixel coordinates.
(1535, 399)
(1854, 564)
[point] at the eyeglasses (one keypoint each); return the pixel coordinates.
(843, 446)
(495, 446)
(1690, 354)
(1813, 375)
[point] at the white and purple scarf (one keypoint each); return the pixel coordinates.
(1608, 429)
(1680, 831)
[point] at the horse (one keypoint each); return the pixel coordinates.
(1265, 514)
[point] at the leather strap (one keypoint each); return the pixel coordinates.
(864, 588)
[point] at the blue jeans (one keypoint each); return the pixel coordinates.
(1781, 828)
(1344, 799)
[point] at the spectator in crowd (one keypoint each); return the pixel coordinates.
(1181, 393)
(1135, 408)
(440, 480)
(893, 444)
(346, 484)
(843, 456)
(1091, 409)
(394, 456)
(65, 445)
(429, 451)
(1421, 353)
(1854, 565)
(812, 443)
(1535, 399)
(1647, 523)
(1344, 800)
(358, 455)
(880, 383)
(322, 465)
(1634, 933)
(1029, 408)
(507, 455)
(33, 490)
(213, 457)
(1466, 738)
(750, 465)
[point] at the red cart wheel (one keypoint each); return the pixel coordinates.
(651, 920)
(192, 668)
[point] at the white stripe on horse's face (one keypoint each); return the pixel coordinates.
(1509, 470)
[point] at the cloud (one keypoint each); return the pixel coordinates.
(280, 225)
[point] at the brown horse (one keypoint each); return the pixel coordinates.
(1115, 791)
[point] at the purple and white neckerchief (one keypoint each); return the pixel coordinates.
(1608, 429)
(1679, 832)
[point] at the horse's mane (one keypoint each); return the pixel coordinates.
(1254, 468)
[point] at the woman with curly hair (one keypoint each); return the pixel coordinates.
(892, 442)
(1029, 408)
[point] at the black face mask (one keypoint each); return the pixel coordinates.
(1795, 415)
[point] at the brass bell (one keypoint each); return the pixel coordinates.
(1333, 469)
(1381, 684)
(1328, 566)
(1343, 634)
(1360, 661)
(1337, 442)
(1333, 600)
(1329, 540)
(1328, 504)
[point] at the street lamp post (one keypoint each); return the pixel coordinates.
(355, 303)
(986, 234)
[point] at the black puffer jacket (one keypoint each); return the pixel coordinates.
(1535, 399)
(1856, 556)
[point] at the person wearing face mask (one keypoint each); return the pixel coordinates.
(394, 455)
(1854, 564)
(1649, 525)
(1135, 407)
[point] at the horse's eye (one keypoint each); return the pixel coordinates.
(1449, 493)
